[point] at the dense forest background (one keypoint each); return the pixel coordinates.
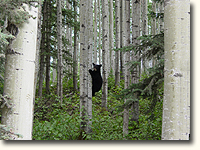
(126, 37)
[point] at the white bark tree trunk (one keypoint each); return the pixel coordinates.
(89, 64)
(136, 13)
(161, 19)
(111, 39)
(95, 33)
(86, 32)
(176, 103)
(153, 21)
(127, 59)
(19, 78)
(100, 29)
(144, 29)
(122, 37)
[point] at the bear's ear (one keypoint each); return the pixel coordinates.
(100, 65)
(93, 64)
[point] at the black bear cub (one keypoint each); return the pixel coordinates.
(96, 78)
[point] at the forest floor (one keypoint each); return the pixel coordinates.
(55, 122)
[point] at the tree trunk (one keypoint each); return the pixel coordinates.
(122, 38)
(105, 51)
(153, 29)
(47, 48)
(89, 64)
(95, 33)
(111, 39)
(59, 61)
(66, 65)
(83, 65)
(100, 20)
(158, 19)
(117, 41)
(162, 19)
(176, 103)
(153, 20)
(144, 29)
(42, 50)
(19, 77)
(75, 50)
(54, 71)
(86, 29)
(136, 8)
(127, 59)
(39, 34)
(144, 18)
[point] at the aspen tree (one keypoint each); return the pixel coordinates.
(111, 38)
(122, 37)
(144, 29)
(95, 33)
(136, 13)
(105, 51)
(89, 64)
(19, 76)
(153, 21)
(127, 59)
(86, 40)
(176, 103)
(161, 19)
(100, 30)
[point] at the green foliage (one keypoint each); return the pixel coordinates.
(148, 91)
(152, 14)
(148, 128)
(55, 122)
(60, 127)
(151, 81)
(12, 12)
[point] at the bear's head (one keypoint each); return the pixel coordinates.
(96, 67)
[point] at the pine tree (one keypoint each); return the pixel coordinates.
(117, 41)
(75, 64)
(60, 64)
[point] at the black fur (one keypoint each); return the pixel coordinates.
(96, 78)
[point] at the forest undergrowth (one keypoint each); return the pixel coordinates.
(53, 121)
